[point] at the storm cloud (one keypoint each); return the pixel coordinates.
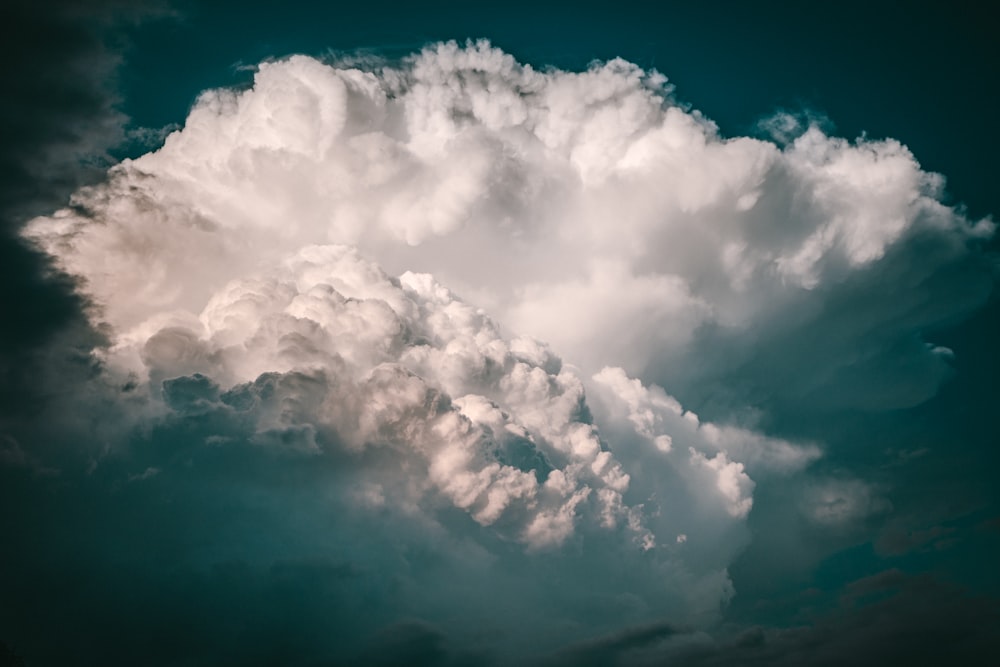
(408, 350)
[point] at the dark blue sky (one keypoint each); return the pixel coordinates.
(923, 75)
(913, 584)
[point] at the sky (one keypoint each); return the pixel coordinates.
(528, 333)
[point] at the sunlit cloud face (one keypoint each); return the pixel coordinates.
(567, 204)
(344, 276)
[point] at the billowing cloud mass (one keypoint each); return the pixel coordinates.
(339, 281)
(566, 204)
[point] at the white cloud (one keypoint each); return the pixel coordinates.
(660, 420)
(378, 360)
(588, 210)
(567, 203)
(733, 484)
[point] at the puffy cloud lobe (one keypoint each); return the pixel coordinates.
(660, 420)
(337, 344)
(734, 484)
(710, 465)
(503, 429)
(593, 195)
(499, 428)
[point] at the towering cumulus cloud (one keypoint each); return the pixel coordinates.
(300, 387)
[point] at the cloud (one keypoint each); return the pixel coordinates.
(886, 618)
(400, 364)
(614, 649)
(408, 439)
(324, 300)
(836, 502)
(594, 195)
